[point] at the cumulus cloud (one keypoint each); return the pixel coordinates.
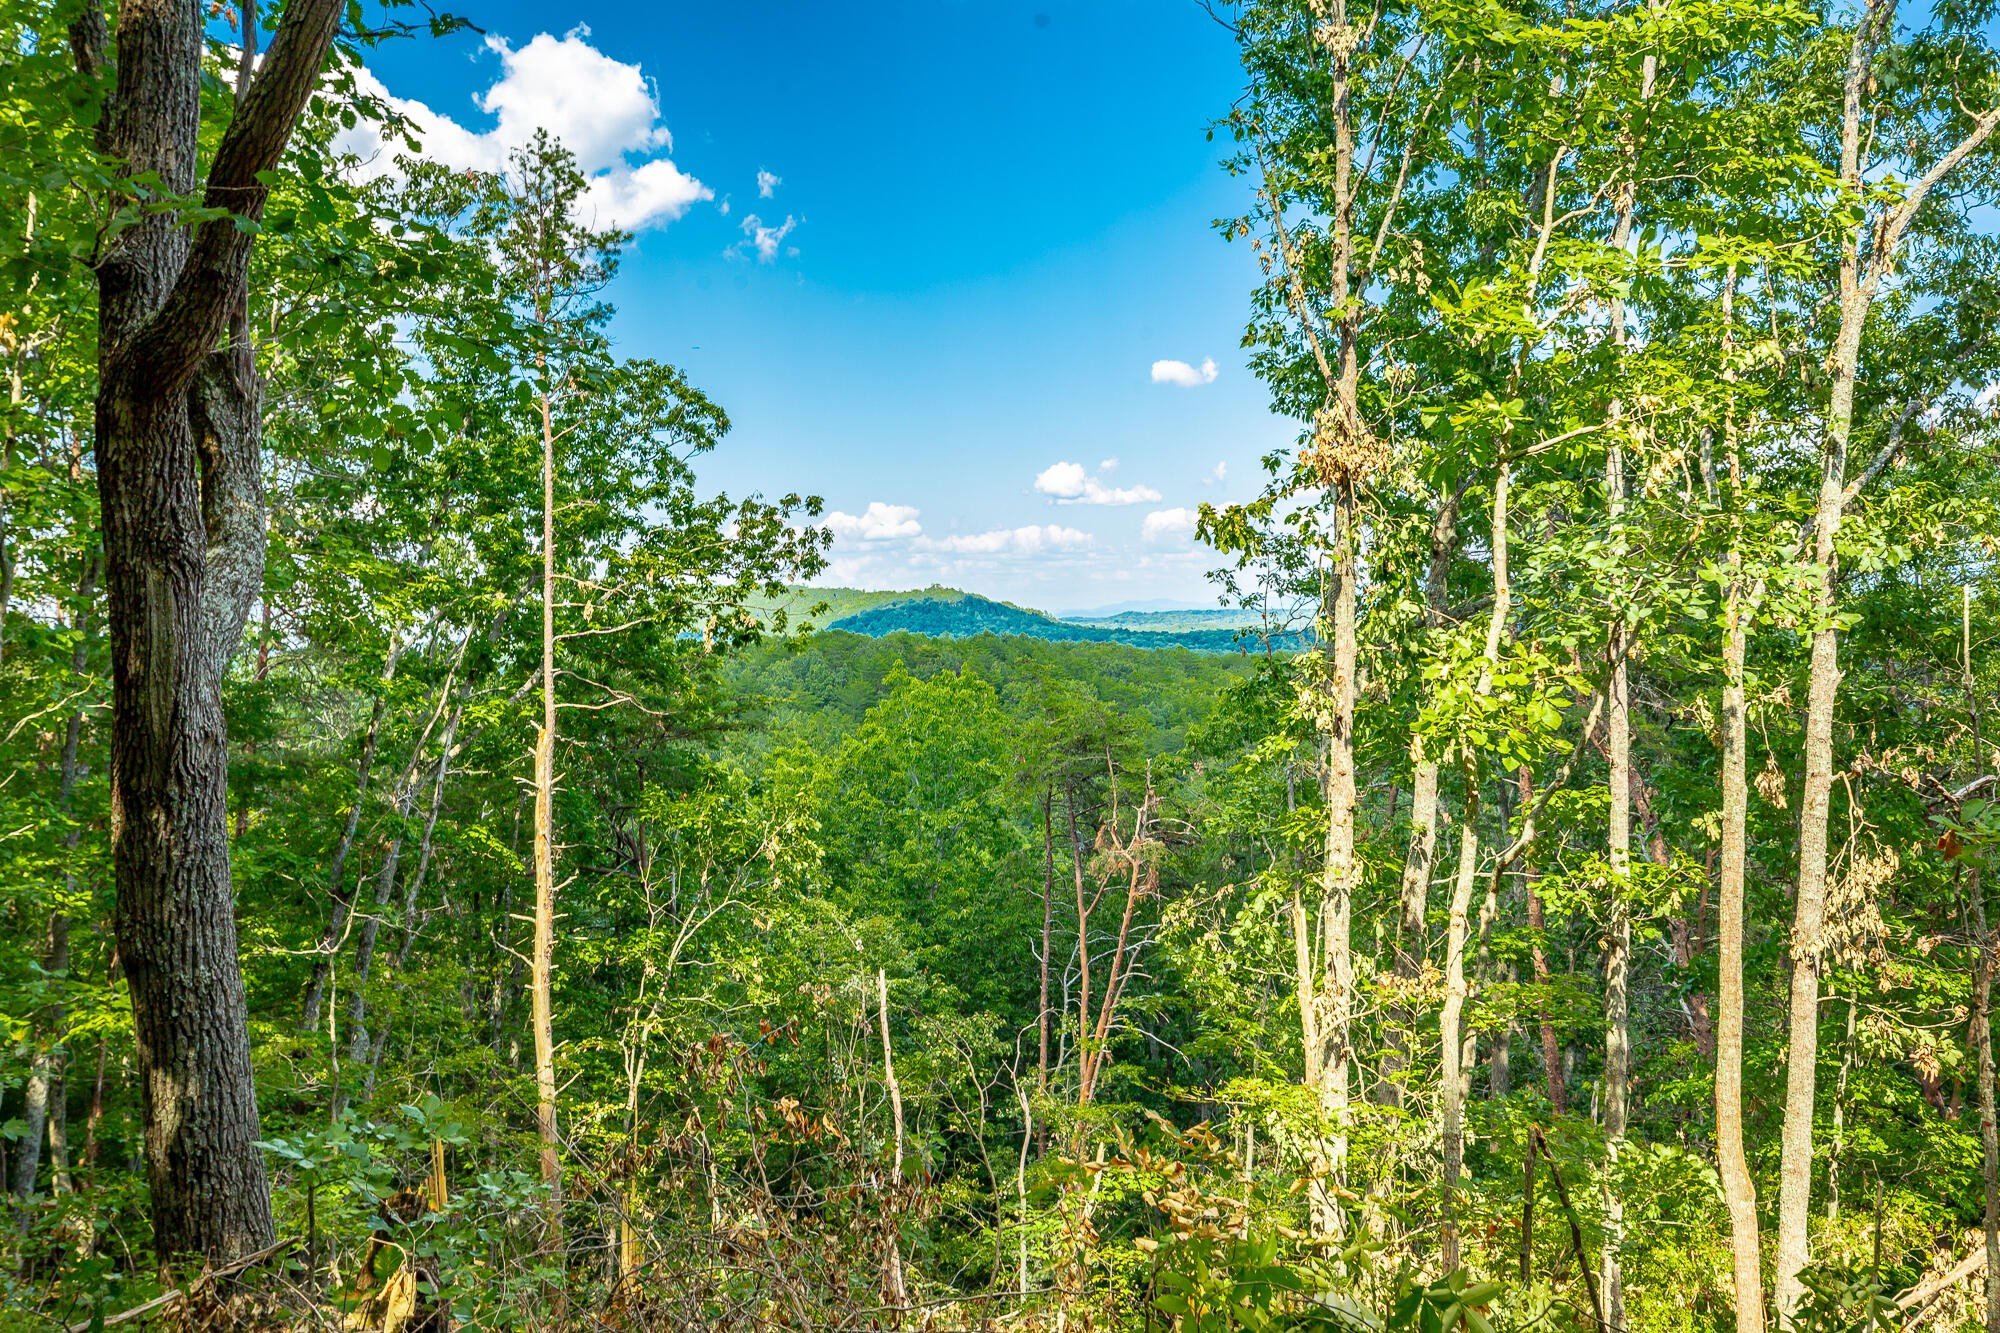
(879, 522)
(767, 183)
(1183, 374)
(601, 109)
(765, 239)
(1070, 484)
(1220, 475)
(1163, 525)
(1029, 540)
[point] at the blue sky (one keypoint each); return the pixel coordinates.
(924, 252)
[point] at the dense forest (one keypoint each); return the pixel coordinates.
(449, 875)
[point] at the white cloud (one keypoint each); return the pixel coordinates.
(1068, 483)
(767, 183)
(1168, 525)
(1029, 540)
(765, 239)
(1220, 475)
(879, 522)
(603, 110)
(1183, 374)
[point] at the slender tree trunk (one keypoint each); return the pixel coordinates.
(545, 864)
(894, 1289)
(371, 923)
(1083, 909)
(1739, 1190)
(1617, 934)
(1982, 1008)
(413, 888)
(1048, 934)
(1339, 874)
(1413, 896)
(1552, 1059)
(1809, 907)
(46, 1066)
(1618, 844)
(1451, 1085)
(340, 897)
(179, 479)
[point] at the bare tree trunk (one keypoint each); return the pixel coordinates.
(1048, 933)
(180, 483)
(545, 864)
(894, 1289)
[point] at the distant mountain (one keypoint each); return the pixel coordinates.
(944, 613)
(1174, 621)
(952, 613)
(1120, 608)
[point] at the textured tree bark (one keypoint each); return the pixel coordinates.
(179, 479)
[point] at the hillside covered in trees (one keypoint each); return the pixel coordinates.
(451, 876)
(965, 615)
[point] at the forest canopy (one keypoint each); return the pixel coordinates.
(456, 868)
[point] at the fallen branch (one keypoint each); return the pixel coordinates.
(167, 1298)
(1919, 1298)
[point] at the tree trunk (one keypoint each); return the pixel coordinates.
(46, 1066)
(545, 862)
(1413, 905)
(894, 1289)
(1339, 874)
(1617, 930)
(1451, 1085)
(1048, 932)
(1552, 1058)
(340, 898)
(1739, 1190)
(179, 479)
(1982, 1010)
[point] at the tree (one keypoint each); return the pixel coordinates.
(180, 480)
